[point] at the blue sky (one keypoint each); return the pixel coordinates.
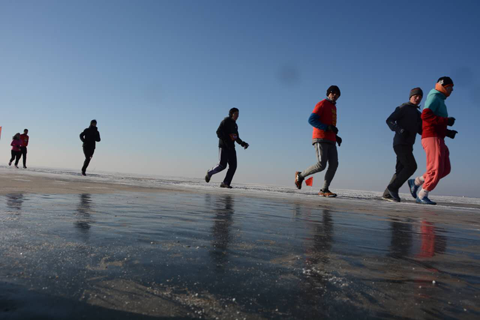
(159, 76)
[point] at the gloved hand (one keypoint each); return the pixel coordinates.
(339, 140)
(332, 128)
(404, 133)
(451, 133)
(245, 145)
(451, 121)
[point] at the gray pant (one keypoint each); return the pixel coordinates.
(326, 152)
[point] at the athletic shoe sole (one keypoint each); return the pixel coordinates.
(413, 188)
(328, 194)
(298, 183)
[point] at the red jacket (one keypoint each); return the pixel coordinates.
(24, 138)
(327, 113)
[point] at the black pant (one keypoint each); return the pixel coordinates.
(406, 166)
(227, 156)
(23, 151)
(15, 156)
(88, 156)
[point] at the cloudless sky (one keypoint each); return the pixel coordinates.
(159, 76)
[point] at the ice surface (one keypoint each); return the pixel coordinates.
(239, 188)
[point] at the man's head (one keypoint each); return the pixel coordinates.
(25, 131)
(416, 95)
(93, 123)
(333, 93)
(233, 113)
(445, 86)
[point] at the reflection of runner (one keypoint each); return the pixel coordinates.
(324, 121)
(227, 134)
(16, 151)
(405, 121)
(434, 126)
(89, 138)
(25, 138)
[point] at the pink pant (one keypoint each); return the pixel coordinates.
(438, 161)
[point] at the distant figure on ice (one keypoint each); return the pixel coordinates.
(324, 139)
(435, 120)
(406, 122)
(24, 137)
(89, 137)
(227, 134)
(16, 149)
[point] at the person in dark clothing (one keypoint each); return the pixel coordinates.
(407, 123)
(25, 138)
(227, 134)
(89, 137)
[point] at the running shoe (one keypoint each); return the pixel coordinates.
(413, 188)
(327, 193)
(298, 180)
(425, 200)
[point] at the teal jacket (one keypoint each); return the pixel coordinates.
(434, 115)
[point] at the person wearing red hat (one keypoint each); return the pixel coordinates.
(406, 122)
(435, 120)
(324, 139)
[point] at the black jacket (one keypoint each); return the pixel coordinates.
(406, 121)
(89, 137)
(227, 134)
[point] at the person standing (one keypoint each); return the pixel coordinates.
(89, 137)
(227, 134)
(16, 151)
(435, 120)
(324, 139)
(25, 138)
(406, 122)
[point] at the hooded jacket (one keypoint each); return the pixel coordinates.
(227, 134)
(434, 115)
(89, 137)
(406, 118)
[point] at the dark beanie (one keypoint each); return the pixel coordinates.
(445, 81)
(333, 89)
(416, 91)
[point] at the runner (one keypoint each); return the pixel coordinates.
(25, 138)
(16, 151)
(324, 121)
(89, 137)
(435, 120)
(227, 134)
(406, 122)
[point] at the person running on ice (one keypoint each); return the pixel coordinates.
(324, 121)
(24, 137)
(16, 151)
(227, 134)
(406, 122)
(435, 120)
(89, 137)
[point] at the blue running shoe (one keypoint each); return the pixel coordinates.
(425, 200)
(413, 188)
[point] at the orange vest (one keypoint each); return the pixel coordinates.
(327, 112)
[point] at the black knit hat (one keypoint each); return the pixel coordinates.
(333, 89)
(416, 91)
(445, 81)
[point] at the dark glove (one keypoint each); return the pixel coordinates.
(404, 133)
(245, 145)
(451, 121)
(332, 128)
(339, 140)
(451, 133)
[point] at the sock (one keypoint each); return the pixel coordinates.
(419, 181)
(422, 193)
